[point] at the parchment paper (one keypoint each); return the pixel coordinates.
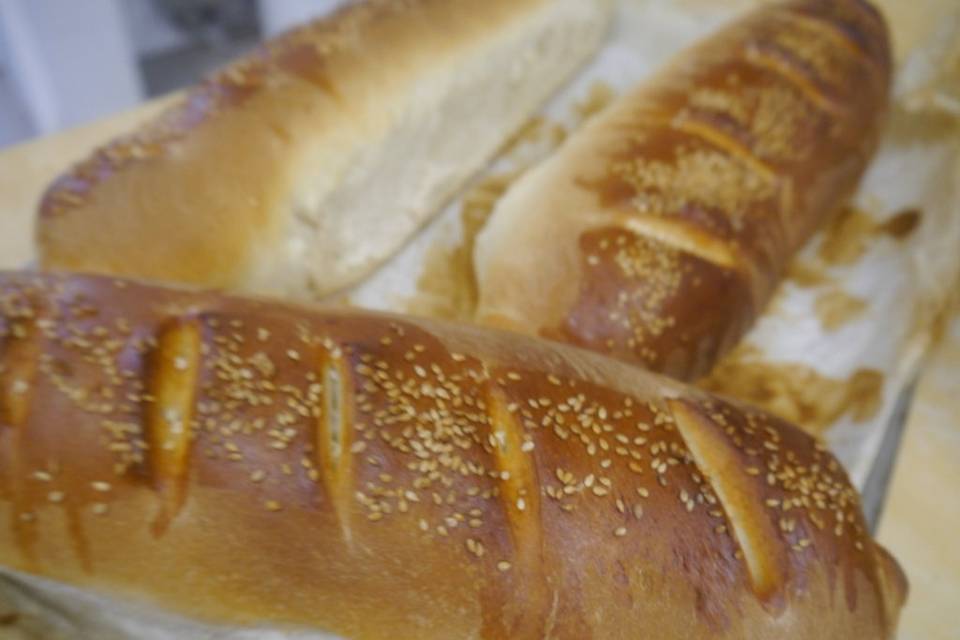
(847, 331)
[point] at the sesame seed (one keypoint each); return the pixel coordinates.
(272, 505)
(55, 496)
(503, 565)
(521, 504)
(103, 487)
(358, 447)
(42, 476)
(99, 508)
(620, 532)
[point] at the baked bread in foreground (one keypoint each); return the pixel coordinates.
(659, 230)
(238, 466)
(298, 169)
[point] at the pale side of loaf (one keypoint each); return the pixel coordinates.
(658, 232)
(297, 170)
(244, 464)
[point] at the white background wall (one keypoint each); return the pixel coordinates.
(15, 125)
(68, 62)
(279, 15)
(149, 32)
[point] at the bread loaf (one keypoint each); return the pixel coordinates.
(237, 466)
(657, 233)
(298, 169)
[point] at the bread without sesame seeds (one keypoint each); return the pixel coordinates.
(300, 168)
(658, 232)
(180, 464)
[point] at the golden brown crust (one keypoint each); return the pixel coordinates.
(732, 156)
(226, 187)
(641, 296)
(379, 476)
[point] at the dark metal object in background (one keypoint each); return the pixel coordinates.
(217, 32)
(874, 493)
(212, 22)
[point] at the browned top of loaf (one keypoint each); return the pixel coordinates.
(246, 462)
(673, 213)
(228, 146)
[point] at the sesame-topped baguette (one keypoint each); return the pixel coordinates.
(300, 168)
(231, 464)
(658, 232)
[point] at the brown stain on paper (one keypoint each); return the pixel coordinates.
(447, 286)
(533, 131)
(847, 237)
(796, 392)
(835, 308)
(844, 242)
(901, 225)
(599, 98)
(807, 274)
(850, 233)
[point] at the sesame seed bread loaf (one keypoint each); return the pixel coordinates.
(300, 168)
(658, 232)
(231, 467)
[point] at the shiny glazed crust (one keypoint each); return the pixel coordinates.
(658, 232)
(241, 462)
(298, 169)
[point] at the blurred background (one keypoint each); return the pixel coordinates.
(67, 62)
